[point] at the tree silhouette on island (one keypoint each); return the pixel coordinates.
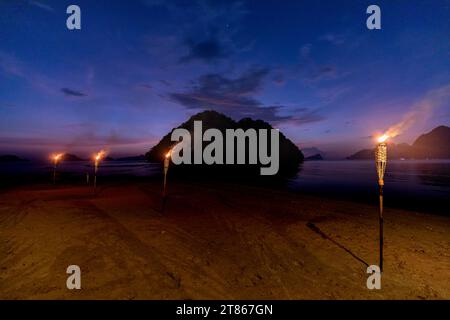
(290, 155)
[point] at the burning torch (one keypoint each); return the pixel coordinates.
(380, 161)
(97, 158)
(56, 159)
(166, 168)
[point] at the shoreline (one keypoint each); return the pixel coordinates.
(410, 185)
(426, 205)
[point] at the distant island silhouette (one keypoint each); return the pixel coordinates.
(132, 158)
(71, 157)
(313, 153)
(432, 145)
(11, 158)
(290, 154)
(315, 157)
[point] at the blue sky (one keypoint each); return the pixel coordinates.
(138, 68)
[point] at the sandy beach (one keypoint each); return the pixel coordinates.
(227, 242)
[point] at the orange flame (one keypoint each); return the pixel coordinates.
(383, 138)
(168, 154)
(57, 157)
(99, 156)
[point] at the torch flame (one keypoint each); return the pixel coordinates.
(383, 138)
(168, 154)
(99, 156)
(57, 157)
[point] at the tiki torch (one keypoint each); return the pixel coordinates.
(56, 158)
(97, 158)
(166, 168)
(380, 161)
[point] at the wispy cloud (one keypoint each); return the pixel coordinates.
(12, 66)
(73, 93)
(235, 97)
(83, 143)
(209, 37)
(333, 38)
(146, 86)
(41, 5)
(421, 110)
(331, 94)
(305, 50)
(323, 72)
(208, 50)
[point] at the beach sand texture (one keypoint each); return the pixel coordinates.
(212, 242)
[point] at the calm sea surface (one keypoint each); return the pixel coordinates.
(413, 184)
(423, 185)
(133, 168)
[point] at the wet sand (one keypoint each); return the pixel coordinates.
(212, 242)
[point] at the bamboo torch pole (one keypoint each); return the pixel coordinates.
(54, 171)
(95, 173)
(381, 160)
(166, 169)
(56, 159)
(97, 158)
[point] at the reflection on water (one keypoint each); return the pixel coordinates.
(80, 168)
(422, 185)
(414, 184)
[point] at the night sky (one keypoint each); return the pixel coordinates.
(136, 69)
